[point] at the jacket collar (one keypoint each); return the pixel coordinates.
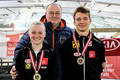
(78, 36)
(62, 22)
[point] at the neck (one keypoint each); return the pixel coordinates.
(37, 47)
(83, 33)
(55, 25)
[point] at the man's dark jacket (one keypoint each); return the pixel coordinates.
(94, 57)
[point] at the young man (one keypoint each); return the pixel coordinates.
(83, 55)
(56, 33)
(37, 60)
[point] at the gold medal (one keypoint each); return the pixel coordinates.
(36, 76)
(80, 61)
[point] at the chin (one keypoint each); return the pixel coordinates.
(82, 30)
(54, 22)
(37, 43)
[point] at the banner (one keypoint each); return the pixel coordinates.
(112, 46)
(12, 41)
(112, 52)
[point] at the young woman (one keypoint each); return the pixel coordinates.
(36, 61)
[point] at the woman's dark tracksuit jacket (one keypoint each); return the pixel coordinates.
(25, 68)
(92, 67)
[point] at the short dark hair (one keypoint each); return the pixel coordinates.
(82, 10)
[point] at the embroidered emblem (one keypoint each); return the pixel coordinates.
(91, 54)
(73, 44)
(27, 66)
(62, 39)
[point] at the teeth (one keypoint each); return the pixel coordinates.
(82, 25)
(36, 39)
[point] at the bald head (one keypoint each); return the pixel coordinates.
(53, 5)
(53, 13)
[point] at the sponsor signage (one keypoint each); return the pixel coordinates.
(112, 46)
(112, 51)
(12, 41)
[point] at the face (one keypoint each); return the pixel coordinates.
(82, 22)
(37, 34)
(53, 14)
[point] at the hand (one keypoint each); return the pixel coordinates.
(13, 72)
(103, 64)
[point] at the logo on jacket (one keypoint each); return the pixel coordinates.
(90, 43)
(45, 61)
(62, 39)
(73, 44)
(76, 54)
(91, 54)
(27, 64)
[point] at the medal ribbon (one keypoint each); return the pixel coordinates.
(33, 62)
(86, 45)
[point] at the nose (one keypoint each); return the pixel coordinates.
(82, 20)
(54, 14)
(36, 35)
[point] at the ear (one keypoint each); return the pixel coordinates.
(45, 34)
(45, 13)
(74, 22)
(90, 21)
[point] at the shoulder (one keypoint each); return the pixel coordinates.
(24, 39)
(47, 47)
(26, 34)
(67, 31)
(97, 41)
(68, 28)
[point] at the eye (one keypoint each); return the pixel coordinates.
(85, 18)
(78, 19)
(51, 13)
(57, 13)
(40, 32)
(33, 32)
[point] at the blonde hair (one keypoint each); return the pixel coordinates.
(37, 23)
